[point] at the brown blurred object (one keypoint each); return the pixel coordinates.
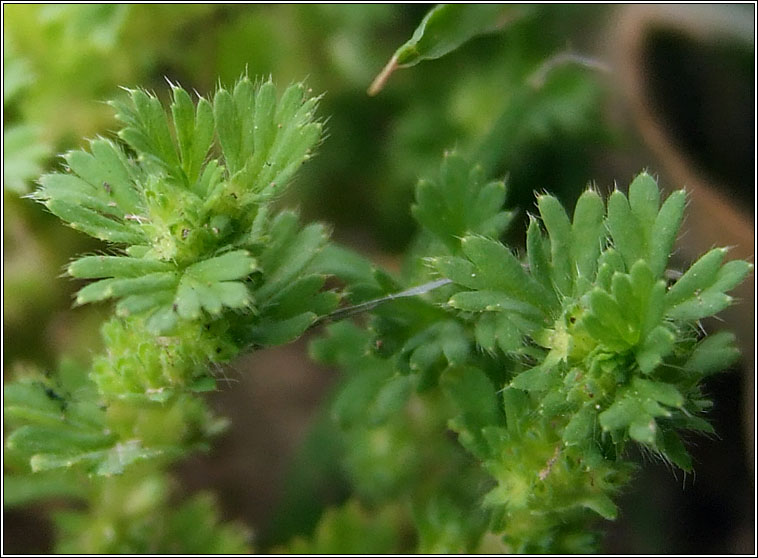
(697, 118)
(271, 398)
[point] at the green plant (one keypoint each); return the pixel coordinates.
(550, 365)
(202, 268)
(490, 408)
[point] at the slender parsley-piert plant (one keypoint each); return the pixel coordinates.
(546, 365)
(554, 362)
(200, 268)
(202, 262)
(601, 351)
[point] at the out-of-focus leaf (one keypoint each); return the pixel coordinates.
(443, 29)
(24, 151)
(350, 529)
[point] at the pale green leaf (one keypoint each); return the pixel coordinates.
(654, 348)
(492, 301)
(659, 391)
(95, 224)
(499, 269)
(714, 353)
(537, 251)
(700, 306)
(24, 489)
(232, 294)
(93, 267)
(263, 121)
(625, 230)
(237, 264)
(115, 288)
(61, 439)
(138, 303)
(643, 429)
(644, 200)
(587, 233)
(559, 230)
(700, 276)
(664, 231)
(228, 129)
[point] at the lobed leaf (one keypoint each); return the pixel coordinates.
(700, 292)
(509, 330)
(94, 223)
(625, 229)
(537, 378)
(657, 345)
(147, 130)
(263, 121)
(117, 288)
(714, 353)
(587, 233)
(59, 439)
(289, 260)
(237, 264)
(194, 131)
(24, 489)
(500, 269)
(580, 427)
(492, 301)
(644, 200)
(697, 278)
(475, 398)
(24, 153)
(460, 202)
(106, 462)
(144, 302)
(108, 172)
(537, 251)
(94, 267)
(672, 448)
(602, 505)
(278, 332)
(232, 294)
(664, 231)
(559, 230)
(228, 128)
(292, 298)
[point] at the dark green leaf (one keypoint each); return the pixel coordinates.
(281, 332)
(673, 449)
(579, 429)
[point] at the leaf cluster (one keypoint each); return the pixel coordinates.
(201, 266)
(550, 362)
(187, 201)
(591, 300)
